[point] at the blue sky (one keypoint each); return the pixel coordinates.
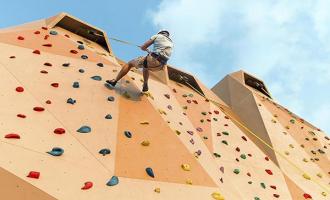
(286, 42)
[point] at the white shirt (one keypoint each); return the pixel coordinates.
(162, 45)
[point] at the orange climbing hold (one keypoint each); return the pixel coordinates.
(19, 89)
(12, 136)
(34, 174)
(87, 185)
(59, 131)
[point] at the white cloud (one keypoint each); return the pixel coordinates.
(286, 42)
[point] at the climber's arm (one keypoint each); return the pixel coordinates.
(145, 46)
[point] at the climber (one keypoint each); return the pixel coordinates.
(155, 60)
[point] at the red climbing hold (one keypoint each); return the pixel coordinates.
(46, 37)
(216, 112)
(36, 52)
(174, 90)
(47, 45)
(249, 174)
(19, 89)
(54, 85)
(266, 158)
(276, 195)
(11, 57)
(59, 131)
(20, 38)
(37, 32)
(48, 64)
(21, 116)
(307, 196)
(74, 51)
(66, 35)
(244, 138)
(48, 102)
(34, 174)
(87, 185)
(12, 136)
(38, 109)
(269, 171)
(195, 101)
(237, 149)
(43, 72)
(226, 117)
(273, 187)
(44, 28)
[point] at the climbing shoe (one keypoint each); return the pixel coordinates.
(145, 88)
(112, 82)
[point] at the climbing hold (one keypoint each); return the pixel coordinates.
(111, 98)
(73, 51)
(144, 123)
(257, 198)
(276, 195)
(248, 174)
(238, 149)
(236, 171)
(177, 132)
(128, 134)
(37, 32)
(263, 185)
(34, 174)
(12, 57)
(48, 64)
(145, 143)
(217, 155)
(55, 85)
(48, 102)
(113, 181)
(38, 109)
(224, 142)
(84, 129)
(108, 116)
(222, 169)
(36, 52)
(169, 107)
(244, 138)
(84, 57)
(225, 133)
(75, 84)
(268, 171)
(292, 121)
(157, 190)
(47, 45)
(100, 64)
(12, 136)
(19, 89)
(199, 129)
(66, 64)
(56, 151)
(59, 131)
(71, 101)
(324, 194)
(307, 196)
(150, 172)
(167, 96)
(81, 70)
(243, 156)
(185, 167)
(273, 187)
(319, 175)
(306, 176)
(21, 116)
(96, 78)
(81, 47)
(52, 32)
(87, 185)
(66, 35)
(20, 38)
(217, 196)
(104, 152)
(46, 37)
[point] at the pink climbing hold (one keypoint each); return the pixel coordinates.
(55, 85)
(12, 136)
(19, 89)
(36, 52)
(21, 116)
(87, 185)
(34, 174)
(268, 171)
(47, 45)
(59, 131)
(48, 64)
(37, 32)
(38, 109)
(307, 196)
(20, 38)
(74, 51)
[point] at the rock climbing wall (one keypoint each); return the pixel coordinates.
(64, 135)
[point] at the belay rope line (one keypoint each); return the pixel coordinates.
(219, 105)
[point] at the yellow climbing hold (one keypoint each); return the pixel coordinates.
(144, 123)
(189, 182)
(286, 153)
(148, 94)
(324, 194)
(145, 143)
(157, 190)
(273, 120)
(177, 132)
(185, 167)
(217, 196)
(287, 127)
(319, 175)
(306, 176)
(291, 145)
(162, 111)
(275, 115)
(305, 160)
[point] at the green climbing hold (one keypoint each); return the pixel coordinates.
(225, 133)
(217, 155)
(104, 152)
(292, 121)
(243, 156)
(224, 142)
(56, 151)
(96, 78)
(84, 129)
(263, 185)
(204, 113)
(256, 198)
(113, 181)
(108, 116)
(236, 171)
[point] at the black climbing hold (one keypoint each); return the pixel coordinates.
(81, 47)
(111, 98)
(52, 32)
(84, 129)
(128, 134)
(104, 151)
(113, 181)
(71, 101)
(80, 42)
(75, 84)
(96, 78)
(100, 64)
(66, 64)
(150, 172)
(108, 116)
(81, 70)
(84, 57)
(56, 151)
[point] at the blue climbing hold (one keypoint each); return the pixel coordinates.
(108, 116)
(84, 129)
(75, 84)
(96, 78)
(52, 32)
(56, 151)
(128, 134)
(113, 181)
(100, 64)
(104, 151)
(84, 57)
(111, 98)
(150, 172)
(81, 47)
(66, 64)
(81, 70)
(71, 101)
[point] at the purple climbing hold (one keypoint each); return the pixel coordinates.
(199, 129)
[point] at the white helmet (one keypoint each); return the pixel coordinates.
(164, 31)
